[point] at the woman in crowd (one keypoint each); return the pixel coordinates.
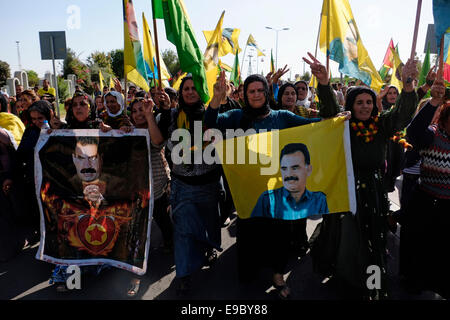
(100, 107)
(116, 114)
(359, 239)
(38, 112)
(302, 93)
(287, 100)
(426, 220)
(27, 98)
(194, 196)
(254, 233)
(142, 117)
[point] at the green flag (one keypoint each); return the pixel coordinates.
(179, 31)
(157, 9)
(236, 73)
(425, 67)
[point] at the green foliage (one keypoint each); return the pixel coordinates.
(117, 63)
(73, 65)
(306, 76)
(5, 72)
(63, 90)
(33, 78)
(170, 58)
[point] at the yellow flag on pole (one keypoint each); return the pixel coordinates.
(150, 57)
(229, 42)
(211, 55)
(101, 80)
(397, 70)
(134, 67)
(340, 40)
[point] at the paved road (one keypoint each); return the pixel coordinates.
(24, 277)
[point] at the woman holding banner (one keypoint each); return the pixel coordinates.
(360, 239)
(142, 117)
(260, 237)
(195, 187)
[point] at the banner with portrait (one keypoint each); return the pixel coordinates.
(95, 198)
(292, 173)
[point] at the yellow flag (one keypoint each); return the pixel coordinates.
(150, 57)
(111, 83)
(134, 66)
(397, 71)
(252, 43)
(313, 84)
(224, 66)
(176, 84)
(211, 55)
(229, 42)
(101, 80)
(340, 39)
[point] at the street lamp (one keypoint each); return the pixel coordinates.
(276, 46)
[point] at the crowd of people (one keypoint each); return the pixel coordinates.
(192, 202)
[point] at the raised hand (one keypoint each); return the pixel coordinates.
(409, 74)
(438, 92)
(220, 91)
(148, 105)
(317, 69)
(117, 85)
(163, 98)
(431, 76)
(280, 72)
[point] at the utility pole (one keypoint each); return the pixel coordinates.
(18, 55)
(250, 71)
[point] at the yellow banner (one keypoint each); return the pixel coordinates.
(258, 177)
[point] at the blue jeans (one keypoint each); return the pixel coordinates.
(195, 212)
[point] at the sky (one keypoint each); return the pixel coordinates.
(97, 25)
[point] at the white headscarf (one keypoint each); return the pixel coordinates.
(305, 102)
(119, 99)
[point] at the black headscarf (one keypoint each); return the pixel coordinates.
(281, 92)
(353, 92)
(43, 107)
(384, 102)
(251, 114)
(194, 112)
(70, 118)
(3, 103)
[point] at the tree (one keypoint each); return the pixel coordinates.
(63, 90)
(73, 65)
(100, 61)
(171, 60)
(5, 72)
(33, 78)
(306, 76)
(117, 62)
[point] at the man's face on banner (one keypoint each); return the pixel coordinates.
(294, 172)
(87, 162)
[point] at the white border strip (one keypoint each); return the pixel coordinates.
(349, 165)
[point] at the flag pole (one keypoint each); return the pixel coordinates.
(244, 54)
(317, 44)
(158, 65)
(328, 35)
(440, 70)
(416, 29)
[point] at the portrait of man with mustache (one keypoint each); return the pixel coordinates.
(292, 201)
